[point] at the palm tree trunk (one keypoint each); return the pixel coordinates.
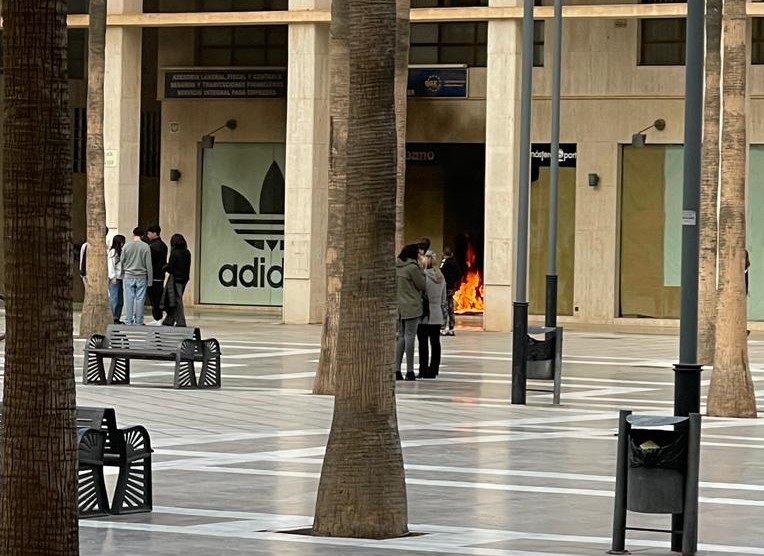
(96, 314)
(38, 468)
(338, 99)
(709, 189)
(731, 392)
(402, 26)
(362, 490)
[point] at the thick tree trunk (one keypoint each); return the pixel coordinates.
(96, 313)
(38, 471)
(362, 491)
(338, 98)
(731, 393)
(709, 188)
(402, 39)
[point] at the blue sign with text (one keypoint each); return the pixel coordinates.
(438, 82)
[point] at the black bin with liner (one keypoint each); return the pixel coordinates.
(543, 356)
(657, 471)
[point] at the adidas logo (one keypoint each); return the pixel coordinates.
(259, 230)
(267, 226)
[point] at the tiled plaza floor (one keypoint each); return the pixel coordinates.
(234, 467)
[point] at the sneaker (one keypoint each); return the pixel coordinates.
(398, 375)
(410, 376)
(154, 323)
(450, 332)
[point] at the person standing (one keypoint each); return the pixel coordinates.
(428, 332)
(410, 282)
(116, 276)
(158, 262)
(452, 275)
(136, 264)
(179, 270)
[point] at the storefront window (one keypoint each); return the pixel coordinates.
(651, 231)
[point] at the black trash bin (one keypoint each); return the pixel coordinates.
(657, 472)
(543, 356)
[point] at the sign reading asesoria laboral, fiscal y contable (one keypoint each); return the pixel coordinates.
(242, 229)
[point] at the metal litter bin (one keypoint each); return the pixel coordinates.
(657, 471)
(543, 357)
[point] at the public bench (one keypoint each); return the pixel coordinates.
(101, 443)
(183, 345)
(129, 449)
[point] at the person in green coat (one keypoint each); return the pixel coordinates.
(411, 283)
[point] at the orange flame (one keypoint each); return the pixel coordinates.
(469, 297)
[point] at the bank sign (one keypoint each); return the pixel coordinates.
(242, 249)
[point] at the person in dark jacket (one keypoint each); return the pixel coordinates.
(179, 270)
(453, 277)
(411, 283)
(158, 262)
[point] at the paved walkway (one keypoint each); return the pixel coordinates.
(235, 467)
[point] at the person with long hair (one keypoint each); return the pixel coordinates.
(428, 331)
(116, 276)
(179, 270)
(410, 282)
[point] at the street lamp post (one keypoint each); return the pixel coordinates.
(687, 371)
(520, 305)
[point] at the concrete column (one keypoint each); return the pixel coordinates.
(501, 166)
(122, 121)
(307, 169)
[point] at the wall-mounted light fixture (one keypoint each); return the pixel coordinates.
(208, 140)
(594, 180)
(638, 138)
(175, 174)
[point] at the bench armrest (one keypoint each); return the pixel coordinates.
(97, 341)
(211, 346)
(137, 442)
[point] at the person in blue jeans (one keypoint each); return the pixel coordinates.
(136, 264)
(116, 277)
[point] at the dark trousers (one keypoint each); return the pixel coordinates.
(450, 320)
(155, 298)
(429, 336)
(176, 315)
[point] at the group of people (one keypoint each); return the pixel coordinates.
(425, 292)
(137, 268)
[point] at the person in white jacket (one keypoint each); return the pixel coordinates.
(116, 275)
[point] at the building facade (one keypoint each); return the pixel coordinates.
(250, 195)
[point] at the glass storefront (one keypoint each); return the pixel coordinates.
(242, 225)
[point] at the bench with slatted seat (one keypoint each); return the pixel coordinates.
(92, 500)
(183, 345)
(129, 449)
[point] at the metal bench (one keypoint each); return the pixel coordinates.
(130, 450)
(92, 500)
(161, 343)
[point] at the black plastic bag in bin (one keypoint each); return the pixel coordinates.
(671, 452)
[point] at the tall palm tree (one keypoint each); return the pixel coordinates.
(709, 188)
(96, 314)
(731, 392)
(38, 469)
(338, 107)
(362, 490)
(402, 35)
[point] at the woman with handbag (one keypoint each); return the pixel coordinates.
(411, 283)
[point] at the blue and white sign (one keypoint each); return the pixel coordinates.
(438, 82)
